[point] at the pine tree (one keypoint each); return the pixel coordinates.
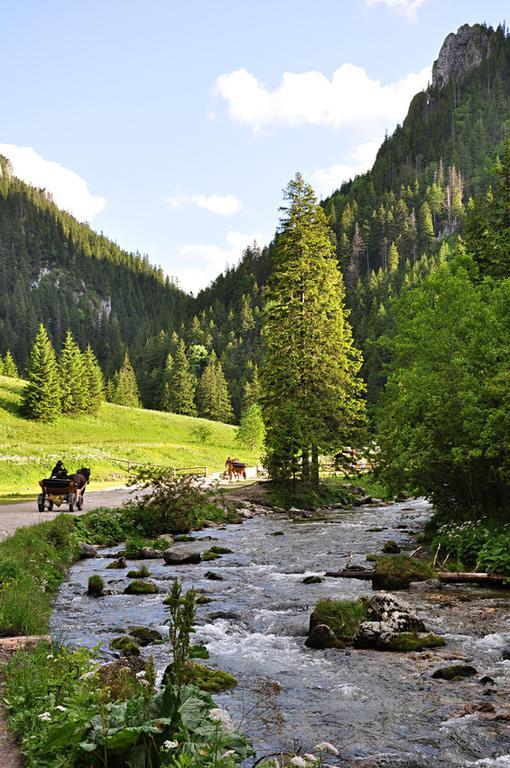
(425, 228)
(212, 393)
(250, 432)
(73, 378)
(95, 381)
(9, 367)
(311, 393)
(41, 396)
(393, 258)
(179, 390)
(125, 386)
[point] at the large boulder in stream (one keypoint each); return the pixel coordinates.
(398, 571)
(180, 554)
(321, 637)
(397, 614)
(393, 626)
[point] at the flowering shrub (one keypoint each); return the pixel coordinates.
(461, 542)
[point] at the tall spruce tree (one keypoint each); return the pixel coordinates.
(73, 379)
(179, 395)
(41, 395)
(124, 389)
(94, 379)
(311, 394)
(9, 367)
(212, 393)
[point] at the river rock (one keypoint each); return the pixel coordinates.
(212, 576)
(398, 614)
(454, 672)
(426, 586)
(148, 553)
(145, 636)
(180, 554)
(87, 550)
(313, 579)
(321, 637)
(391, 548)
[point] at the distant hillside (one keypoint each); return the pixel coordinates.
(56, 270)
(29, 449)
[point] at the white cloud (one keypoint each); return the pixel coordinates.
(224, 205)
(69, 191)
(349, 98)
(359, 160)
(407, 8)
(196, 265)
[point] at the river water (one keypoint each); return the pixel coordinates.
(369, 704)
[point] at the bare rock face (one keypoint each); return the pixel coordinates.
(461, 52)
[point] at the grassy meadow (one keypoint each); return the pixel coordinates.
(29, 449)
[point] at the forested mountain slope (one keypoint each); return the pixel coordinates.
(57, 271)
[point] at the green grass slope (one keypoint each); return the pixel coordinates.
(29, 449)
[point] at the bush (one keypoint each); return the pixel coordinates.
(398, 571)
(461, 542)
(494, 556)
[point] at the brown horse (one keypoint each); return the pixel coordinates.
(235, 469)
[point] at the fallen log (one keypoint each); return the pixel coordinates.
(489, 579)
(456, 577)
(365, 575)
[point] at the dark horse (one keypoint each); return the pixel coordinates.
(80, 478)
(235, 469)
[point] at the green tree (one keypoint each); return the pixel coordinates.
(94, 379)
(425, 228)
(9, 367)
(311, 393)
(393, 258)
(445, 416)
(124, 389)
(41, 395)
(179, 389)
(73, 378)
(212, 393)
(250, 432)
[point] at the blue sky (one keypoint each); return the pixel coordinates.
(172, 126)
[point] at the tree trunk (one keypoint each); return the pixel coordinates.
(305, 465)
(315, 466)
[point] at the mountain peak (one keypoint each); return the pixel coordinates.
(461, 52)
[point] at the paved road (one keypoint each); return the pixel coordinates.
(14, 516)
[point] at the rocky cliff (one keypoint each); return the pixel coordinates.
(461, 52)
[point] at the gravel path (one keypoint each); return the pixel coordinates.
(14, 516)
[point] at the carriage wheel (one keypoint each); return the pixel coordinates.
(40, 502)
(71, 498)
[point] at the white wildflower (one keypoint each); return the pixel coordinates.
(228, 753)
(88, 675)
(299, 762)
(50, 656)
(141, 675)
(44, 716)
(311, 758)
(146, 683)
(222, 717)
(325, 746)
(168, 745)
(60, 708)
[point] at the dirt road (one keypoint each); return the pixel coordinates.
(14, 516)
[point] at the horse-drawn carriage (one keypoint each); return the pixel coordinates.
(63, 490)
(235, 469)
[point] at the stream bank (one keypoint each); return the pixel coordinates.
(377, 707)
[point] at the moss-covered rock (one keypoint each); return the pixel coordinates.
(203, 600)
(210, 680)
(220, 550)
(454, 672)
(391, 548)
(277, 533)
(119, 563)
(141, 573)
(313, 579)
(343, 617)
(412, 641)
(399, 571)
(95, 587)
(126, 645)
(141, 588)
(145, 636)
(209, 555)
(183, 537)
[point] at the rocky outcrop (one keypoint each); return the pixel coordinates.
(461, 52)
